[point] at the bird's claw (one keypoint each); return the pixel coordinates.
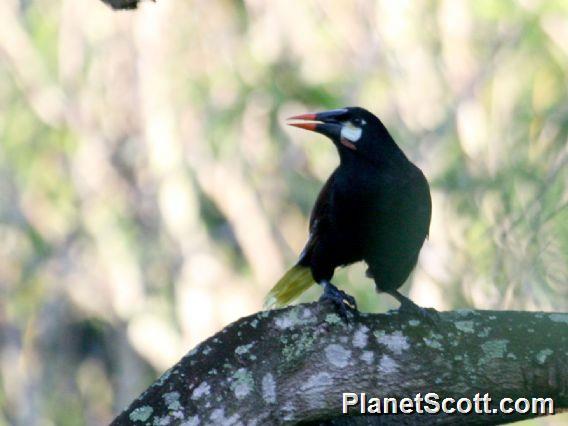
(342, 301)
(429, 315)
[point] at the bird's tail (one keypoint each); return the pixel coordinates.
(289, 287)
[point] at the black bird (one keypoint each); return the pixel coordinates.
(374, 207)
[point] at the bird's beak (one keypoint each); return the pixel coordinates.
(327, 123)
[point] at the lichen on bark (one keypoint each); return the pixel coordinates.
(292, 365)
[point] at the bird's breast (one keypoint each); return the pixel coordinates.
(356, 212)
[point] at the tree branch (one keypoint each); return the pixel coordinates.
(292, 365)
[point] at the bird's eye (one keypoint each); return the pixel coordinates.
(358, 122)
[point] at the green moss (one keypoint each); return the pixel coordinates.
(543, 355)
(289, 319)
(242, 383)
(192, 421)
(172, 400)
(431, 343)
(465, 312)
(493, 349)
(379, 333)
(298, 347)
(559, 318)
(200, 391)
(435, 336)
(141, 414)
(464, 326)
(243, 349)
(164, 377)
(332, 319)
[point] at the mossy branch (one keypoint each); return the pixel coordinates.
(292, 365)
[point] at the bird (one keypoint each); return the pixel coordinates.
(375, 207)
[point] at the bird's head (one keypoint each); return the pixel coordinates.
(352, 128)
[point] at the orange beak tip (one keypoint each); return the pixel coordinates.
(306, 126)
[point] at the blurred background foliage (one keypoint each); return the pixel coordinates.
(150, 193)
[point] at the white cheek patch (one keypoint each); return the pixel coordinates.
(351, 133)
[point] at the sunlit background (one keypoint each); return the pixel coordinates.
(150, 192)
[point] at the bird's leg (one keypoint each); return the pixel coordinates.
(409, 307)
(338, 297)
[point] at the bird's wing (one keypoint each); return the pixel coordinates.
(411, 213)
(320, 218)
(321, 211)
(419, 190)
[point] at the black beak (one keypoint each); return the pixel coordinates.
(327, 123)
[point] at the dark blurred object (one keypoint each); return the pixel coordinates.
(122, 4)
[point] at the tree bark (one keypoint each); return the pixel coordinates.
(292, 365)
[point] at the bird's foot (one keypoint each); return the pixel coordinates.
(407, 306)
(339, 298)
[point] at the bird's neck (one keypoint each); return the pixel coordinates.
(386, 155)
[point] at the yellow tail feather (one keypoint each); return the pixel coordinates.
(289, 287)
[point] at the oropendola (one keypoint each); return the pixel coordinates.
(374, 207)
